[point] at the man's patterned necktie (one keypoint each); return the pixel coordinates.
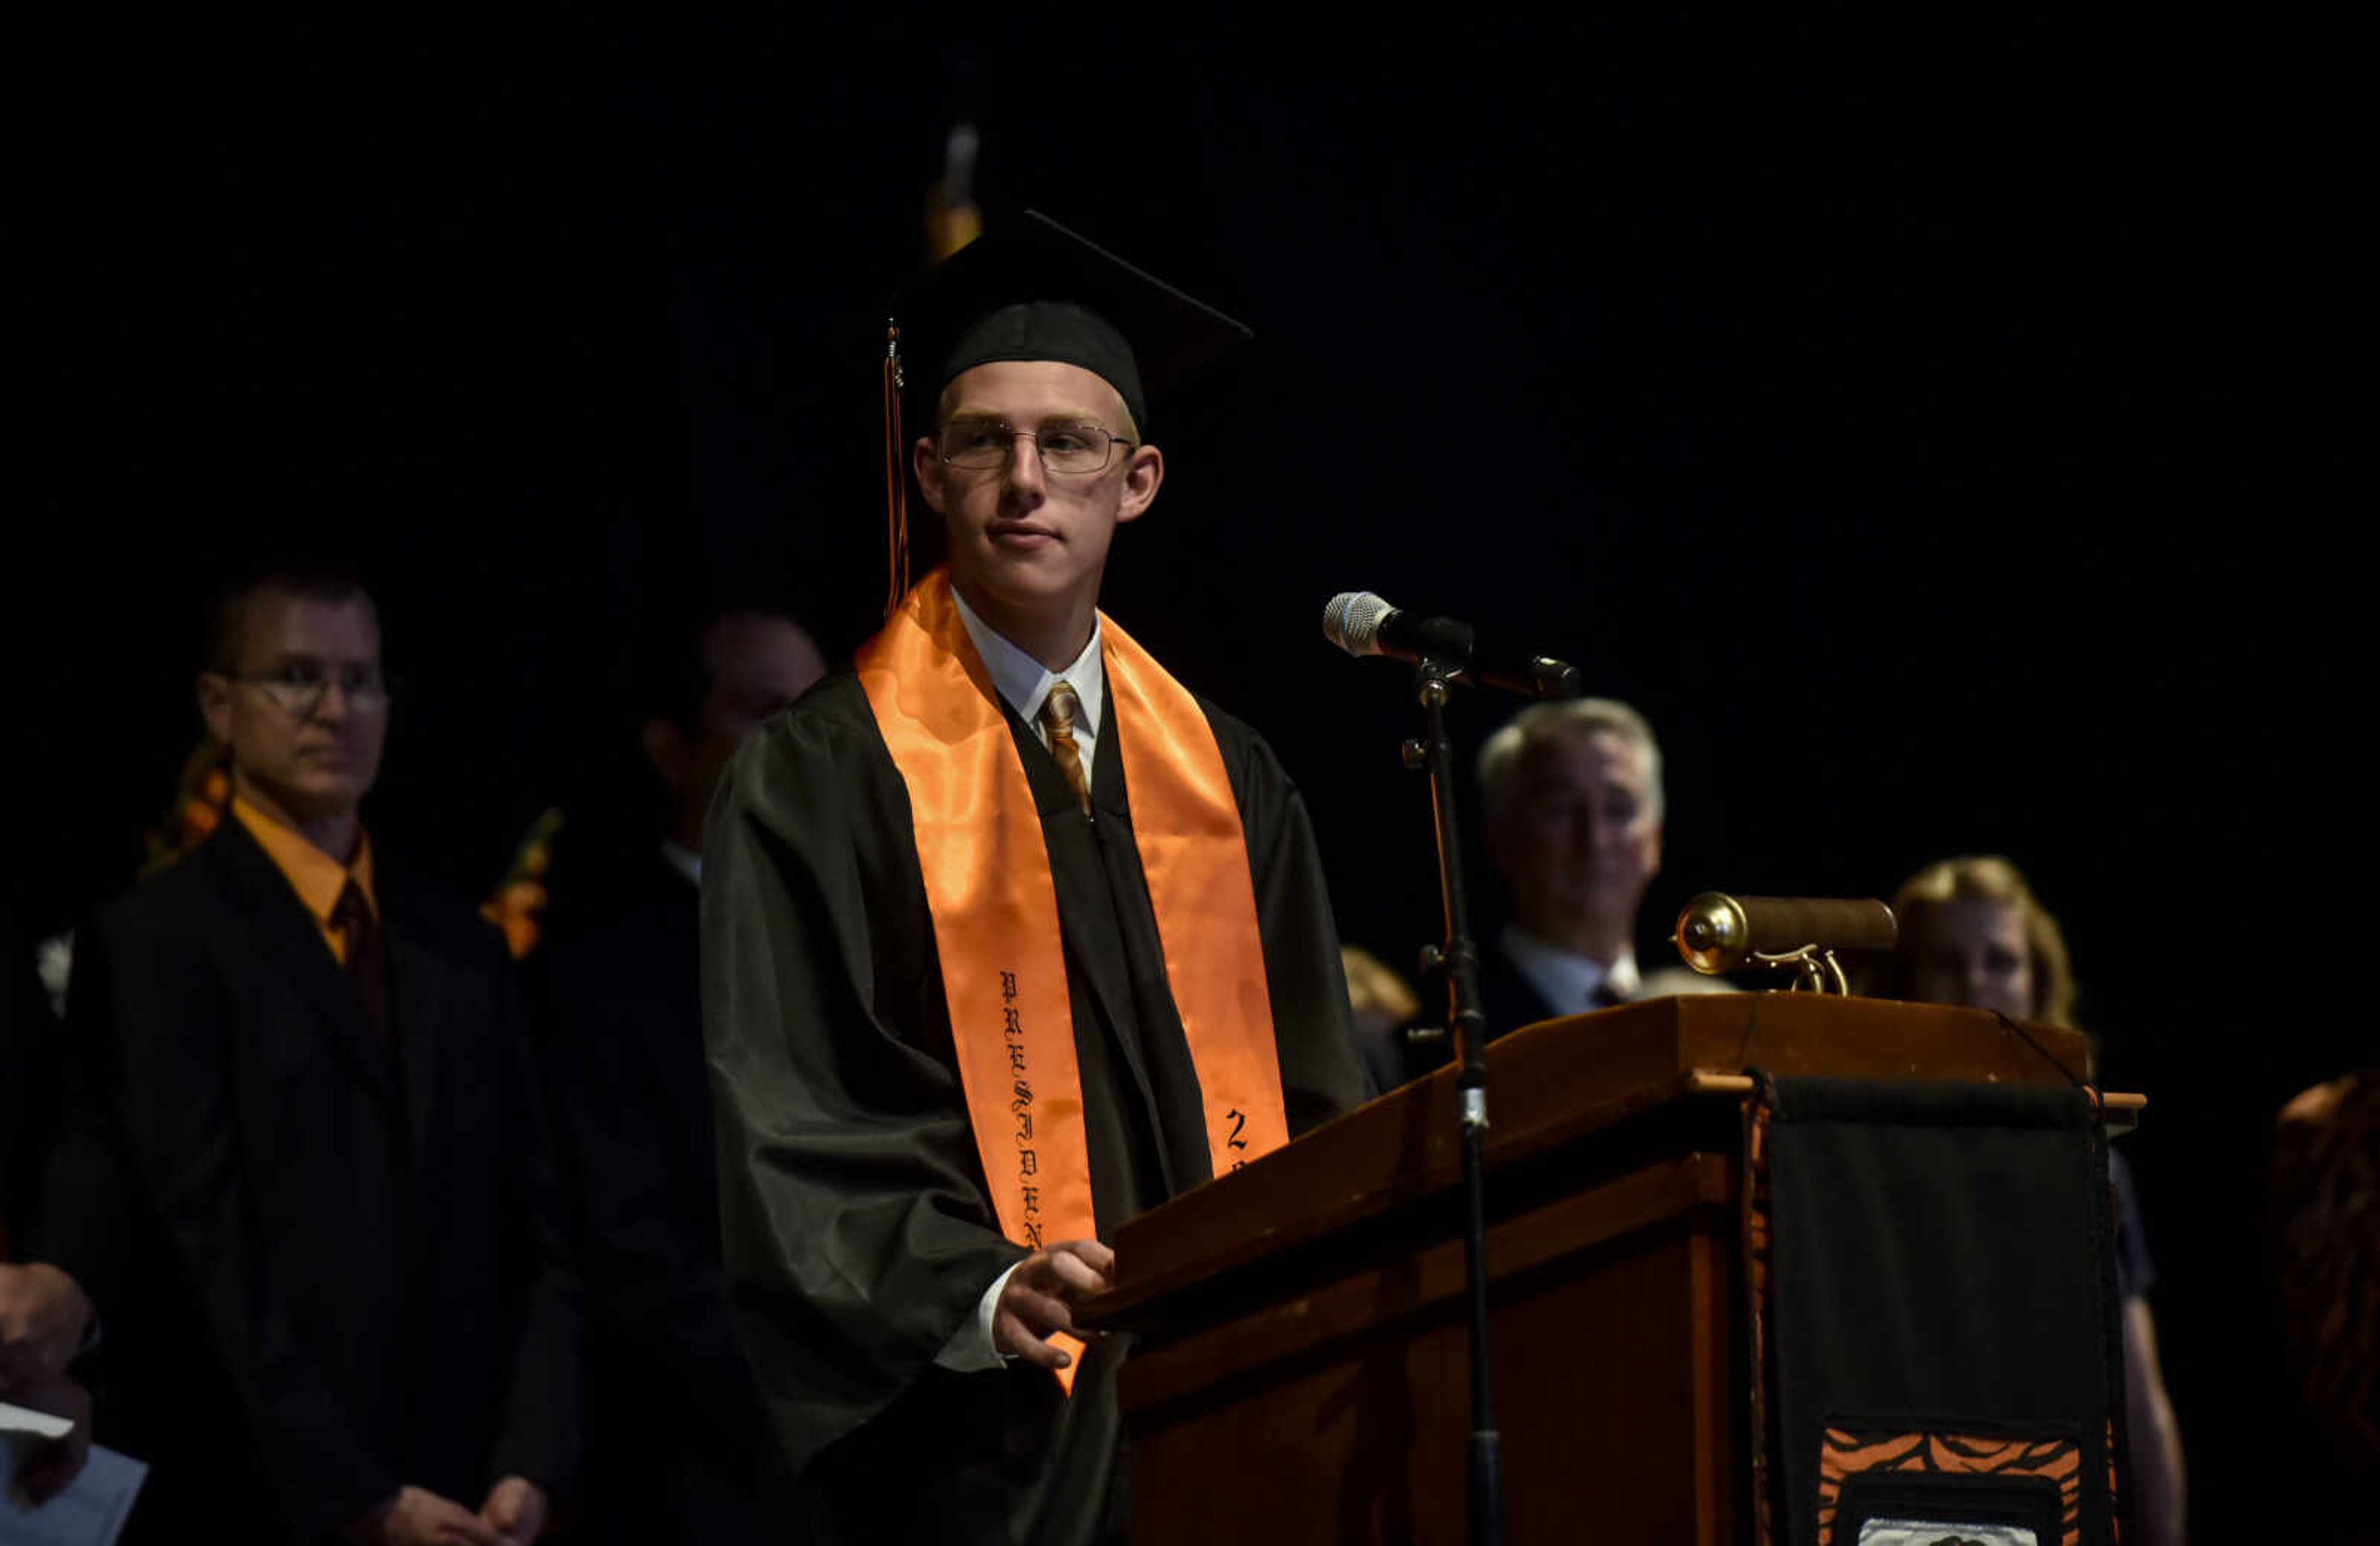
(1058, 712)
(367, 962)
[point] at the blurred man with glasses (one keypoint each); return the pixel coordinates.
(311, 1188)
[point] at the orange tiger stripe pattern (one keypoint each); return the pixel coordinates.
(1845, 1454)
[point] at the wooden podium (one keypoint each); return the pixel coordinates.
(1301, 1370)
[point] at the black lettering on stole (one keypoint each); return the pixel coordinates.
(1020, 1106)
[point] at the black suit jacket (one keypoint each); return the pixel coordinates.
(326, 1266)
(624, 1027)
(1508, 999)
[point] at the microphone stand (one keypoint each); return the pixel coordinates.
(1457, 959)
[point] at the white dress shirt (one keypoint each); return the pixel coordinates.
(1024, 682)
(686, 861)
(1565, 978)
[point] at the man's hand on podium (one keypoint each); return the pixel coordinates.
(1039, 1298)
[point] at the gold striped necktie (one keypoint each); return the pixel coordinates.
(1058, 712)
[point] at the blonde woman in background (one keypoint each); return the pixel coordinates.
(1972, 934)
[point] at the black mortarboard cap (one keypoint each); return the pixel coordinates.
(1033, 289)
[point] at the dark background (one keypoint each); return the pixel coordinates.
(1924, 422)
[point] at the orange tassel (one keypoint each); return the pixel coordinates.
(896, 483)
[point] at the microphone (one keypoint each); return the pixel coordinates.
(1362, 624)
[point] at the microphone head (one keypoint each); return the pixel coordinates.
(1352, 621)
(1554, 678)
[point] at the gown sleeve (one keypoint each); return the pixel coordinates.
(1321, 1071)
(855, 1230)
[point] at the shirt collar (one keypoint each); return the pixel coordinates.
(686, 861)
(1023, 682)
(316, 877)
(1564, 979)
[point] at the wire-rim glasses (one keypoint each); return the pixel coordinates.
(980, 444)
(299, 687)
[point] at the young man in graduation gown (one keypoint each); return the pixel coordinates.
(308, 1186)
(1007, 937)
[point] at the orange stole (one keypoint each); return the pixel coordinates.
(995, 908)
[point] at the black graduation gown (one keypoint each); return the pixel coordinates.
(858, 1234)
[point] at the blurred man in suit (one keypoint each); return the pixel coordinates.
(1570, 798)
(317, 1207)
(625, 1038)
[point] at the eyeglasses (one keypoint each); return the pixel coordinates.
(299, 687)
(980, 443)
